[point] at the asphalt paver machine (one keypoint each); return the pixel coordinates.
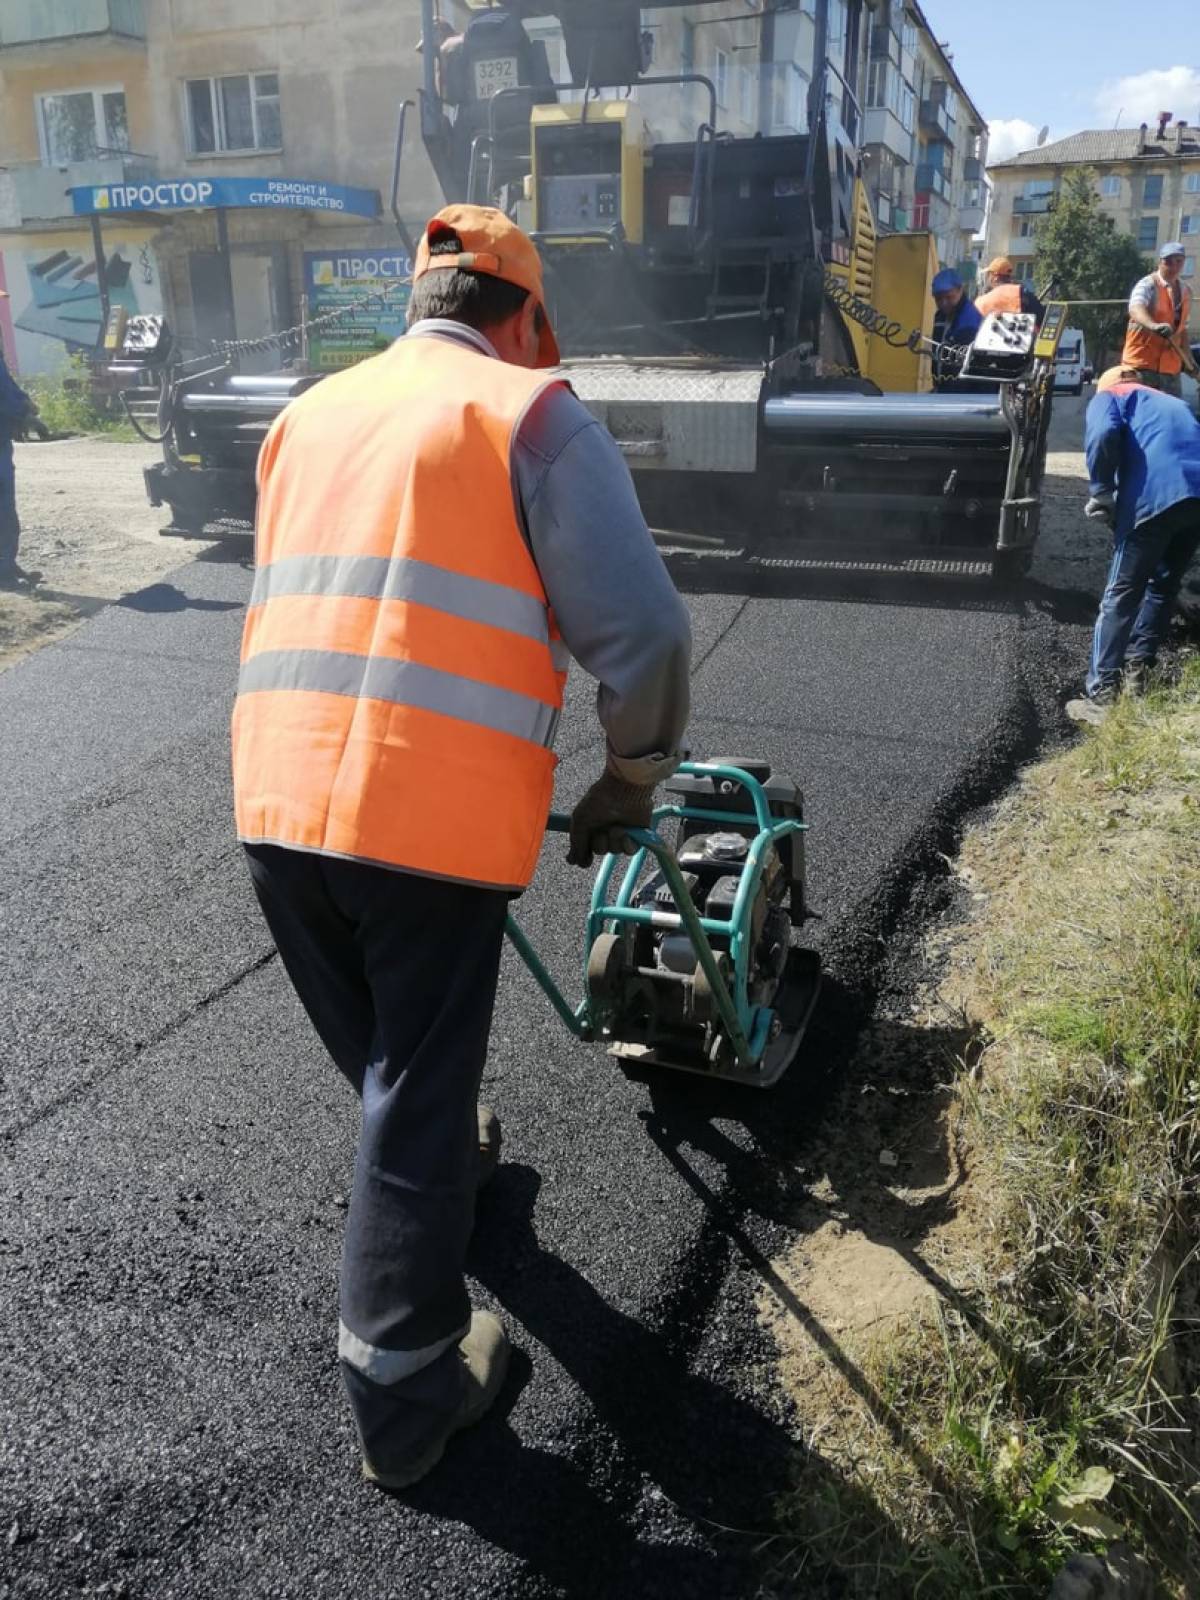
(716, 298)
(718, 302)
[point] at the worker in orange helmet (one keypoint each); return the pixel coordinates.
(439, 529)
(1003, 293)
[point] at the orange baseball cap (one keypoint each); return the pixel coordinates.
(1116, 377)
(1001, 265)
(492, 244)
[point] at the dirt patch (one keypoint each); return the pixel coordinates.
(87, 527)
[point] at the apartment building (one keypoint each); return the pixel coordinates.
(231, 156)
(1148, 180)
(924, 138)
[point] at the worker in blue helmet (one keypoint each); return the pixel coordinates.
(956, 323)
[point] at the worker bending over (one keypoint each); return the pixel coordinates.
(956, 322)
(1143, 456)
(1003, 293)
(438, 529)
(1160, 307)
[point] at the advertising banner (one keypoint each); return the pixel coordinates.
(199, 194)
(336, 280)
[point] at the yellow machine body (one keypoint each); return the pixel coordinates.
(589, 171)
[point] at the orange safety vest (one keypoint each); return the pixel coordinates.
(402, 676)
(1004, 297)
(1150, 352)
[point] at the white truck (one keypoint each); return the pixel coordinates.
(1071, 370)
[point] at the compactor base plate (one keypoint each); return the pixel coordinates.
(795, 1002)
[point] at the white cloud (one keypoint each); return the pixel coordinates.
(1008, 136)
(1143, 95)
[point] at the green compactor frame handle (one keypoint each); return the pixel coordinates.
(749, 1027)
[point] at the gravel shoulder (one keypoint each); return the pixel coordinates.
(87, 527)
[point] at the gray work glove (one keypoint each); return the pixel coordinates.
(1101, 507)
(1166, 329)
(601, 821)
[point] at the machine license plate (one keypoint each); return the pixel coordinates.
(494, 75)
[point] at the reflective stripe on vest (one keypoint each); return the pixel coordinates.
(1150, 352)
(1004, 297)
(402, 683)
(402, 677)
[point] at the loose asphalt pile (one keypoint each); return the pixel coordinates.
(176, 1150)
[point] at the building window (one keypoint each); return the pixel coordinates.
(1110, 187)
(749, 85)
(687, 48)
(238, 113)
(1192, 183)
(1189, 266)
(877, 83)
(1152, 192)
(79, 125)
(1147, 236)
(721, 76)
(1037, 188)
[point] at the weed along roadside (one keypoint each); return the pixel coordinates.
(997, 1365)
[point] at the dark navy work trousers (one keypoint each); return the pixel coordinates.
(1148, 566)
(398, 975)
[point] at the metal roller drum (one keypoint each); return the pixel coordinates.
(921, 416)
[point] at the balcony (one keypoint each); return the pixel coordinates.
(972, 168)
(885, 45)
(932, 180)
(40, 29)
(935, 122)
(883, 127)
(1018, 246)
(31, 193)
(971, 218)
(1032, 205)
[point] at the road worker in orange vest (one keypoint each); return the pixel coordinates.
(439, 529)
(1003, 293)
(1160, 307)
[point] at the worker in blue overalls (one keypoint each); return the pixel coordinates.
(956, 323)
(17, 413)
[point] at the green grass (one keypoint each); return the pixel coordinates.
(66, 405)
(1056, 1407)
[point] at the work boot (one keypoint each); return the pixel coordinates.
(484, 1353)
(1093, 708)
(489, 1146)
(15, 577)
(1135, 680)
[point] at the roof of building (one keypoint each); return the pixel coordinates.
(1101, 145)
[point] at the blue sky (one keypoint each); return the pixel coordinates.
(1073, 63)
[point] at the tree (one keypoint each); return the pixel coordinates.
(1081, 256)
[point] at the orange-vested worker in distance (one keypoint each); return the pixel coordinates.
(1003, 293)
(1156, 346)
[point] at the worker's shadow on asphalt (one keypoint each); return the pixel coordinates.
(699, 1453)
(159, 598)
(667, 1450)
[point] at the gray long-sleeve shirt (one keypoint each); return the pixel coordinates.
(620, 615)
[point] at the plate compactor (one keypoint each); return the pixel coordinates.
(689, 963)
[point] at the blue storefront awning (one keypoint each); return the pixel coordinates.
(193, 194)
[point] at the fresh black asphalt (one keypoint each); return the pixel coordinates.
(175, 1151)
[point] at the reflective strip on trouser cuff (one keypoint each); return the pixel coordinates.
(380, 578)
(403, 683)
(390, 1366)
